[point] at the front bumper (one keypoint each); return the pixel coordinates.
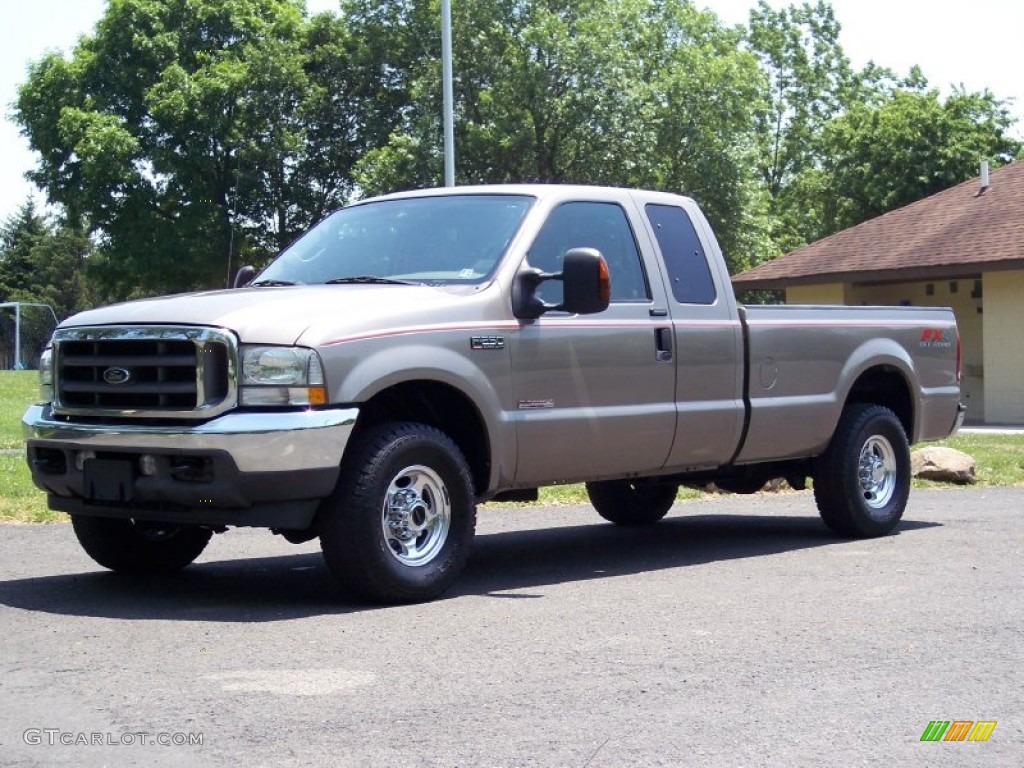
(264, 469)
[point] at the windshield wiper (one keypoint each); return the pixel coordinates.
(369, 279)
(260, 283)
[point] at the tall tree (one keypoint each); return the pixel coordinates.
(43, 261)
(633, 92)
(19, 235)
(185, 130)
(809, 82)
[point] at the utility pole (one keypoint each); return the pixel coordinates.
(446, 78)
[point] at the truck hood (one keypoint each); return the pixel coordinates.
(280, 315)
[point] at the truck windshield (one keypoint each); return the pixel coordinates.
(437, 240)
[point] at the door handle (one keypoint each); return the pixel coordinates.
(663, 345)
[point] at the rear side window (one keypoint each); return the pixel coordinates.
(603, 226)
(684, 256)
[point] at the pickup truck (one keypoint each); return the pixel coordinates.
(414, 355)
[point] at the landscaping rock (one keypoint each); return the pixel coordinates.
(945, 465)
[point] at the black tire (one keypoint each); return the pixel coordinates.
(399, 526)
(139, 547)
(862, 481)
(625, 502)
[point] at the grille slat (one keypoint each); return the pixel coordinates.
(109, 360)
(158, 388)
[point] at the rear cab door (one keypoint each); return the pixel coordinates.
(707, 332)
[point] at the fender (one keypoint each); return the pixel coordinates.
(381, 367)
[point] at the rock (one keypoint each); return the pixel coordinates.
(943, 464)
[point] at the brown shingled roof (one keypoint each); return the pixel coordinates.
(954, 233)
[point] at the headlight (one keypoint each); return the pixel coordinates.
(46, 376)
(275, 376)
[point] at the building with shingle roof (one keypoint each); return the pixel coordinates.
(962, 248)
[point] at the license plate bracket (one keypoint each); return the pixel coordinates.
(109, 479)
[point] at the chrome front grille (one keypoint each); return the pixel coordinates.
(145, 371)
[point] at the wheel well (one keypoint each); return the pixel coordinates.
(885, 385)
(437, 405)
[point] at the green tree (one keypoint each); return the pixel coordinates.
(882, 156)
(44, 262)
(19, 235)
(809, 82)
(633, 92)
(187, 130)
(838, 146)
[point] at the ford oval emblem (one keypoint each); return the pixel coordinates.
(117, 376)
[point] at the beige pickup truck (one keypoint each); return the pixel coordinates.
(414, 355)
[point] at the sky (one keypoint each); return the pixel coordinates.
(976, 44)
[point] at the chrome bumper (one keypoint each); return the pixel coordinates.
(258, 442)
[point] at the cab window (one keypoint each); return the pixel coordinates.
(684, 256)
(603, 226)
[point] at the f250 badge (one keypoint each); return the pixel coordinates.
(487, 342)
(936, 337)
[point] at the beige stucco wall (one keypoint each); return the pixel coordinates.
(945, 293)
(832, 293)
(1004, 343)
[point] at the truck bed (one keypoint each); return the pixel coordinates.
(804, 361)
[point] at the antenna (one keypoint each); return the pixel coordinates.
(231, 215)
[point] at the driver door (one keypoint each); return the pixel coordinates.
(594, 393)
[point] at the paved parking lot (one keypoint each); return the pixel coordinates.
(736, 632)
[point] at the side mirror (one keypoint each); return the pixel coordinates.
(586, 283)
(244, 276)
(586, 286)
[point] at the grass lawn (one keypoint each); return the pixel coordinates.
(1000, 459)
(17, 390)
(20, 500)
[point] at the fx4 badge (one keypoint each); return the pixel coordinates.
(936, 337)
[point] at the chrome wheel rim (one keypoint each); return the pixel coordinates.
(416, 516)
(876, 473)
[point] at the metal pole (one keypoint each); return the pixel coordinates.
(17, 324)
(446, 84)
(17, 337)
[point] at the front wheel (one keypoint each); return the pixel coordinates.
(862, 481)
(400, 524)
(625, 502)
(138, 546)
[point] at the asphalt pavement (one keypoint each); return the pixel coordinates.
(737, 632)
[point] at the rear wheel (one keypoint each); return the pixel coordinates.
(862, 481)
(400, 524)
(139, 546)
(627, 502)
